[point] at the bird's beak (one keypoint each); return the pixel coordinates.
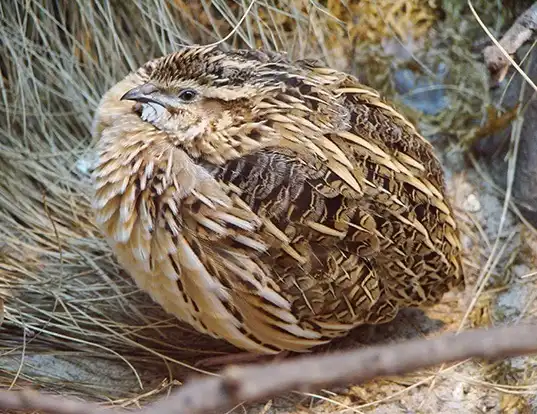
(144, 93)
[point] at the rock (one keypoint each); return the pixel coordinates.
(495, 149)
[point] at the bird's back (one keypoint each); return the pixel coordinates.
(370, 228)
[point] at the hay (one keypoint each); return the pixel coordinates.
(75, 324)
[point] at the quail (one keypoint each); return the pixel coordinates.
(273, 203)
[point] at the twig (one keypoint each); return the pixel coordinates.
(309, 373)
(519, 33)
(33, 400)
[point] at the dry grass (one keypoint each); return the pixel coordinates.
(74, 324)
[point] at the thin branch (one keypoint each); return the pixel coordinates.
(521, 31)
(32, 400)
(311, 373)
(308, 373)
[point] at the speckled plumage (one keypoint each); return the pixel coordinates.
(281, 206)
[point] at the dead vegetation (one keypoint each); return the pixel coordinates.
(73, 324)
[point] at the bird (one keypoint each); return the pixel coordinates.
(273, 203)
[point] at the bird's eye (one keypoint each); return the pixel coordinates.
(187, 95)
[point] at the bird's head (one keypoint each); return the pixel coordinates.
(204, 98)
(219, 105)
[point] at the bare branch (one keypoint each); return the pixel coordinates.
(32, 400)
(308, 373)
(313, 372)
(519, 33)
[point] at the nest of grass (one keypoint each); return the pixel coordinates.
(75, 324)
